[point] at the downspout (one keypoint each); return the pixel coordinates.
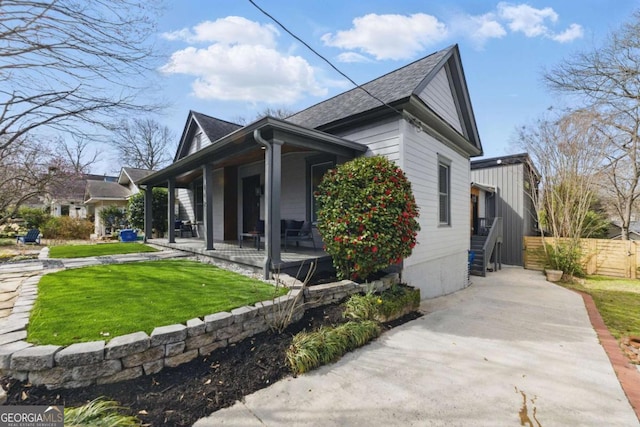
(267, 195)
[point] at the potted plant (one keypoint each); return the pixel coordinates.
(563, 259)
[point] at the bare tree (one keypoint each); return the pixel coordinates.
(28, 171)
(277, 112)
(77, 153)
(607, 79)
(143, 143)
(68, 65)
(568, 153)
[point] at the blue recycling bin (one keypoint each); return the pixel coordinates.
(128, 235)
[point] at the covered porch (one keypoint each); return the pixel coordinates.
(262, 173)
(293, 262)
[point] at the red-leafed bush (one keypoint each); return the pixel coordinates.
(367, 216)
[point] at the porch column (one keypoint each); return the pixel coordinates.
(272, 172)
(207, 196)
(148, 216)
(171, 212)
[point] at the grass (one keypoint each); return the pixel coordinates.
(81, 251)
(617, 301)
(86, 304)
(98, 413)
(309, 350)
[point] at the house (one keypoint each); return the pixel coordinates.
(420, 116)
(615, 230)
(501, 187)
(66, 198)
(99, 194)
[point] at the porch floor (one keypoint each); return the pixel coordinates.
(248, 255)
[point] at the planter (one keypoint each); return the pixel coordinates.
(553, 275)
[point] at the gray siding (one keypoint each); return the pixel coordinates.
(383, 138)
(512, 204)
(438, 95)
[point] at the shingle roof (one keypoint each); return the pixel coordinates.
(106, 190)
(394, 86)
(214, 128)
(136, 174)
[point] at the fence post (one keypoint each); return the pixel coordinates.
(633, 259)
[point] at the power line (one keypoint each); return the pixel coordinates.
(324, 59)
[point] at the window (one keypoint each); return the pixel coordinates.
(64, 210)
(444, 190)
(199, 203)
(317, 172)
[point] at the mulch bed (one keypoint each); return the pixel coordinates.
(180, 396)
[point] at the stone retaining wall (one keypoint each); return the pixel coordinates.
(133, 355)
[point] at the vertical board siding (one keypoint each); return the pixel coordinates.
(615, 258)
(438, 96)
(511, 204)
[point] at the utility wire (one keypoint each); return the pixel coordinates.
(324, 59)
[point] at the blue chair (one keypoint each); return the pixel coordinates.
(32, 236)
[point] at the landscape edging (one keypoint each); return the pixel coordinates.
(136, 354)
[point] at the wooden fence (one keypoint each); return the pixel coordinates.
(616, 258)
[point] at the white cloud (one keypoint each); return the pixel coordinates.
(526, 19)
(534, 22)
(249, 73)
(478, 29)
(352, 57)
(570, 34)
(389, 36)
(229, 30)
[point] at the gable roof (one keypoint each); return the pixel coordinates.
(400, 88)
(105, 190)
(212, 127)
(132, 175)
(394, 86)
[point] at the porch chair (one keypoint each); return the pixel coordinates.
(32, 236)
(302, 233)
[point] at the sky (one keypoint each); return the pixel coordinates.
(226, 59)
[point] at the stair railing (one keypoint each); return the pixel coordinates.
(494, 239)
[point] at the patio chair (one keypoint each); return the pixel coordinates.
(303, 233)
(32, 236)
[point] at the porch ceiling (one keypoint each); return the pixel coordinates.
(239, 147)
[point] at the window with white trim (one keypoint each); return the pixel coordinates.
(444, 192)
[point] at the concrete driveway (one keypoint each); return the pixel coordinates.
(510, 350)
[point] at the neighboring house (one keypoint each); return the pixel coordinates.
(615, 230)
(230, 176)
(101, 194)
(502, 187)
(67, 198)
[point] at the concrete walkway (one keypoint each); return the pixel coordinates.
(510, 350)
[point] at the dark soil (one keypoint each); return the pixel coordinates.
(180, 396)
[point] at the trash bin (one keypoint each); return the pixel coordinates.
(128, 235)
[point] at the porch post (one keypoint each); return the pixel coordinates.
(276, 175)
(171, 214)
(207, 196)
(148, 216)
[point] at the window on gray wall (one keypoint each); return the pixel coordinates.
(444, 192)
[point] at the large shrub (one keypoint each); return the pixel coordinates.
(367, 216)
(64, 227)
(135, 210)
(34, 217)
(113, 217)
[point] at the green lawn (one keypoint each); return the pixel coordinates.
(81, 251)
(85, 304)
(618, 301)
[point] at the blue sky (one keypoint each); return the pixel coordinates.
(228, 60)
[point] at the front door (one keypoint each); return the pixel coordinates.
(251, 193)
